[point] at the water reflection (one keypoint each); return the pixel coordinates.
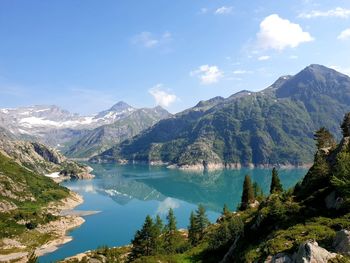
(212, 189)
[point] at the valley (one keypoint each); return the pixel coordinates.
(148, 161)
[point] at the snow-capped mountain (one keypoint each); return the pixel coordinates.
(54, 126)
(25, 120)
(116, 112)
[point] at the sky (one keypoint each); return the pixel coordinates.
(86, 55)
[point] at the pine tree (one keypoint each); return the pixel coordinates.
(144, 242)
(192, 235)
(159, 230)
(248, 193)
(346, 125)
(341, 177)
(171, 225)
(198, 224)
(276, 186)
(324, 139)
(202, 221)
(159, 225)
(170, 232)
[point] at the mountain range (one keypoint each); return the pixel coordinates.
(271, 127)
(78, 136)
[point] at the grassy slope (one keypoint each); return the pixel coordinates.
(30, 192)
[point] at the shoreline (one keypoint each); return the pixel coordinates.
(58, 228)
(207, 167)
(63, 225)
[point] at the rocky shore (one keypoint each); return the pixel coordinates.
(199, 167)
(57, 229)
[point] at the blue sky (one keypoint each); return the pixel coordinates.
(86, 55)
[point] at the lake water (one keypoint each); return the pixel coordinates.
(126, 194)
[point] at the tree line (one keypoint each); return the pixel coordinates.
(157, 238)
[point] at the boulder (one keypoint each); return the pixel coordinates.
(310, 252)
(255, 204)
(341, 242)
(333, 201)
(279, 258)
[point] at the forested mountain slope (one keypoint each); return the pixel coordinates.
(271, 127)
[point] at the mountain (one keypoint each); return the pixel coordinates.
(30, 211)
(39, 158)
(272, 127)
(101, 138)
(56, 127)
(308, 223)
(116, 112)
(20, 186)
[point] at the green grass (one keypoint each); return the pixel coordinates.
(32, 192)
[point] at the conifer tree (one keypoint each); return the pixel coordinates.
(247, 194)
(276, 186)
(192, 235)
(159, 230)
(346, 125)
(144, 242)
(198, 224)
(159, 225)
(171, 225)
(324, 139)
(202, 221)
(170, 232)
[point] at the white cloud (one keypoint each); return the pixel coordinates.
(293, 57)
(224, 10)
(337, 12)
(345, 34)
(208, 74)
(242, 72)
(165, 205)
(162, 98)
(278, 33)
(262, 58)
(149, 40)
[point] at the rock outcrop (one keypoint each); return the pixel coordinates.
(279, 258)
(40, 158)
(308, 252)
(341, 242)
(311, 252)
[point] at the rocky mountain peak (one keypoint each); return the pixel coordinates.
(120, 106)
(316, 80)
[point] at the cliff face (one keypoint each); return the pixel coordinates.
(39, 158)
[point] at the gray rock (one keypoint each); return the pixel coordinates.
(341, 242)
(333, 201)
(279, 258)
(310, 252)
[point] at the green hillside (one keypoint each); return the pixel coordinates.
(271, 127)
(23, 195)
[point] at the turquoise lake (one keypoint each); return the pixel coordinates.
(126, 194)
